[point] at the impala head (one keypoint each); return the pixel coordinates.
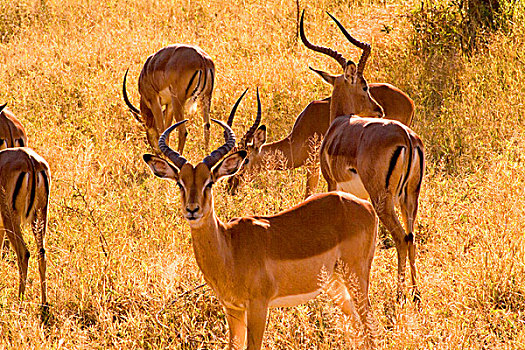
(350, 93)
(195, 182)
(251, 142)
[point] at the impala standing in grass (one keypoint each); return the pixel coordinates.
(175, 77)
(24, 198)
(256, 262)
(295, 150)
(12, 133)
(372, 158)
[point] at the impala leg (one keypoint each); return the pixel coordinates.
(22, 256)
(178, 115)
(158, 122)
(312, 180)
(5, 242)
(237, 327)
(256, 322)
(205, 105)
(39, 231)
(384, 206)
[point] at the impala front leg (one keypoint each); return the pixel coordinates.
(237, 328)
(256, 316)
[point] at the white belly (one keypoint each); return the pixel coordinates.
(293, 300)
(354, 186)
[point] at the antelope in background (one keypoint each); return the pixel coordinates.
(311, 124)
(175, 77)
(24, 198)
(12, 133)
(379, 159)
(256, 262)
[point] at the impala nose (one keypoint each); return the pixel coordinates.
(192, 209)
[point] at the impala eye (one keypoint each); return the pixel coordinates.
(209, 185)
(365, 88)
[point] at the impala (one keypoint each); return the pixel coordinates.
(257, 262)
(175, 77)
(296, 148)
(24, 198)
(12, 133)
(372, 158)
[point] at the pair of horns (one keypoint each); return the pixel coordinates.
(249, 134)
(334, 54)
(220, 152)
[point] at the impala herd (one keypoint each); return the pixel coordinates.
(370, 158)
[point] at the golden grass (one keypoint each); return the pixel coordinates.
(119, 252)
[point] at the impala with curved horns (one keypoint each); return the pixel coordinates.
(12, 133)
(372, 158)
(24, 198)
(256, 262)
(295, 150)
(175, 77)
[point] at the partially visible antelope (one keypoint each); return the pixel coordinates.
(24, 198)
(12, 133)
(257, 262)
(175, 77)
(311, 124)
(372, 158)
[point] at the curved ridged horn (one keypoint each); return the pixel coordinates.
(362, 45)
(232, 113)
(133, 109)
(324, 50)
(2, 107)
(175, 157)
(220, 152)
(249, 134)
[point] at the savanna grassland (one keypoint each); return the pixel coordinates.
(121, 271)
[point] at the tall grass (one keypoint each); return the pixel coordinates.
(119, 252)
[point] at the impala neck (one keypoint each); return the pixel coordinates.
(209, 244)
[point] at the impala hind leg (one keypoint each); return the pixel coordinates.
(39, 226)
(384, 206)
(256, 323)
(409, 206)
(237, 328)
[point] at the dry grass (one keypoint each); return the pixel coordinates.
(119, 252)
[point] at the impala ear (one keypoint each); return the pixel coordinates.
(160, 167)
(350, 72)
(330, 79)
(259, 137)
(229, 165)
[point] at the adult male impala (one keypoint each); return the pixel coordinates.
(171, 77)
(12, 133)
(372, 158)
(295, 149)
(24, 198)
(256, 262)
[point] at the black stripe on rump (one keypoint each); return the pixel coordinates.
(32, 195)
(46, 182)
(204, 85)
(392, 164)
(198, 83)
(421, 165)
(191, 81)
(18, 186)
(212, 79)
